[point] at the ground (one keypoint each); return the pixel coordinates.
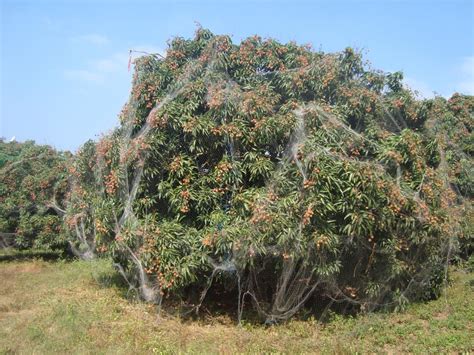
(79, 307)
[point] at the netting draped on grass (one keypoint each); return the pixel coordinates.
(279, 175)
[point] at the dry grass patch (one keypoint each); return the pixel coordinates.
(77, 307)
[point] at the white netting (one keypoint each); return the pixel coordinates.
(315, 231)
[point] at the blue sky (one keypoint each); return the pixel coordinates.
(63, 64)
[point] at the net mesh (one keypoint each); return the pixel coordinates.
(289, 177)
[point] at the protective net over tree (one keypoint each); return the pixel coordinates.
(285, 176)
(33, 182)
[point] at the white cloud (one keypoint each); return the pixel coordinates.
(99, 70)
(466, 85)
(49, 24)
(93, 38)
(84, 75)
(422, 89)
(114, 63)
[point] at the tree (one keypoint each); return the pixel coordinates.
(33, 180)
(280, 173)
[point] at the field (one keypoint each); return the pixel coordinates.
(81, 307)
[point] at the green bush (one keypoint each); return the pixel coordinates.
(33, 184)
(281, 174)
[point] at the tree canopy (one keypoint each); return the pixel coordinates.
(282, 175)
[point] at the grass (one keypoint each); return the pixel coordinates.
(79, 307)
(12, 254)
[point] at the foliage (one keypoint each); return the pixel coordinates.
(283, 175)
(33, 178)
(295, 173)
